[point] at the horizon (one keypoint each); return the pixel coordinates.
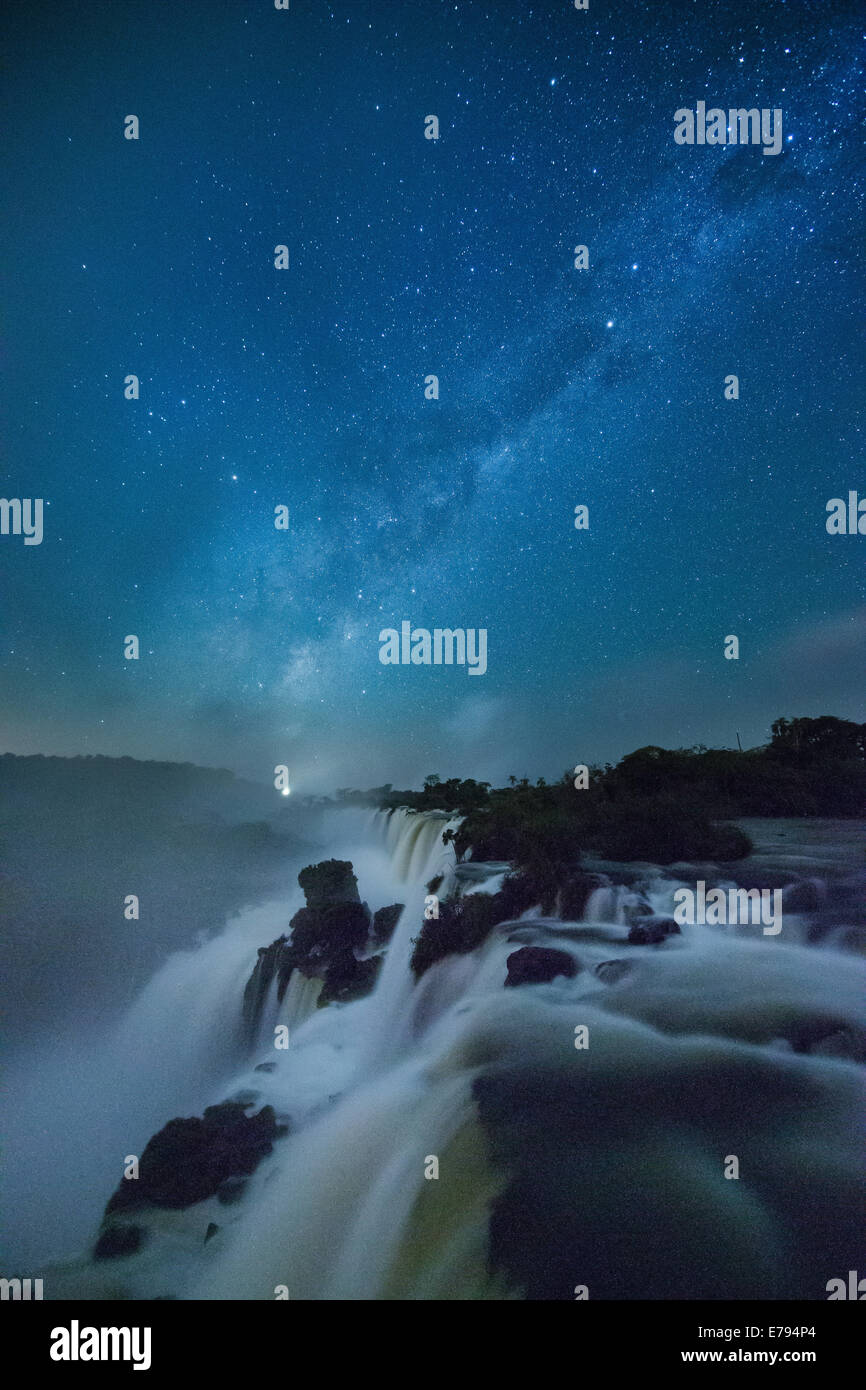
(300, 793)
(476, 372)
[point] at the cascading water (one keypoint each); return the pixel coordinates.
(552, 1163)
(84, 1101)
(419, 856)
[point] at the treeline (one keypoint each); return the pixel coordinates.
(656, 804)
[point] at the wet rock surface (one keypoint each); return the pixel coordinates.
(189, 1159)
(533, 965)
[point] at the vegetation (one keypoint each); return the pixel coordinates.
(656, 804)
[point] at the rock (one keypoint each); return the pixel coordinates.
(826, 1037)
(189, 1159)
(761, 876)
(462, 925)
(384, 922)
(518, 892)
(245, 1098)
(119, 1240)
(846, 1044)
(266, 1066)
(637, 911)
(612, 970)
(273, 960)
(804, 896)
(327, 937)
(212, 1229)
(231, 1191)
(537, 964)
(348, 978)
(332, 881)
(319, 933)
(575, 894)
(652, 931)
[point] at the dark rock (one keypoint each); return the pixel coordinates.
(537, 964)
(828, 1037)
(189, 1159)
(266, 1066)
(119, 1240)
(635, 913)
(760, 876)
(462, 925)
(609, 971)
(332, 881)
(804, 896)
(231, 1191)
(848, 1044)
(273, 960)
(245, 1098)
(575, 894)
(327, 936)
(652, 931)
(518, 893)
(348, 978)
(384, 922)
(322, 933)
(212, 1229)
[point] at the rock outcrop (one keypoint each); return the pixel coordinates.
(190, 1159)
(652, 931)
(330, 940)
(533, 965)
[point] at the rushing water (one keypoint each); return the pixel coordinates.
(604, 1166)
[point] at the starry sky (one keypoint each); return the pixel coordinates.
(305, 387)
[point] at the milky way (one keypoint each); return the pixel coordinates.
(411, 257)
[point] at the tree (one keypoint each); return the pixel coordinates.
(825, 737)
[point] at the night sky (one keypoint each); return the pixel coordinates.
(305, 387)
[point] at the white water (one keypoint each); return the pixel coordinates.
(82, 1102)
(418, 854)
(694, 1036)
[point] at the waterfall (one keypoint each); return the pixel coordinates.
(721, 1041)
(82, 1102)
(299, 1004)
(419, 856)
